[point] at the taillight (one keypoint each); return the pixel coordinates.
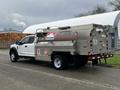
(93, 58)
(98, 57)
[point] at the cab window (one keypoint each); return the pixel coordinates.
(28, 40)
(31, 39)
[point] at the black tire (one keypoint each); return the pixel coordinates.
(79, 61)
(83, 62)
(76, 63)
(59, 62)
(13, 56)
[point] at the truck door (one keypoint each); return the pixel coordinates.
(27, 47)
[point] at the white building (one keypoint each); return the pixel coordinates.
(110, 18)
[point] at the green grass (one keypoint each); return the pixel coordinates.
(114, 61)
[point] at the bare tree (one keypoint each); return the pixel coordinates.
(115, 4)
(96, 10)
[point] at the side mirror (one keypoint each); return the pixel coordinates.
(18, 43)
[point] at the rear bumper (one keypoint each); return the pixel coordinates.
(99, 56)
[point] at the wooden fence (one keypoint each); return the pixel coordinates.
(6, 39)
(5, 44)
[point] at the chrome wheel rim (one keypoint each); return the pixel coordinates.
(57, 63)
(12, 57)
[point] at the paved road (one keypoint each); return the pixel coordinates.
(29, 75)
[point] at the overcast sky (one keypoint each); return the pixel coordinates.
(22, 13)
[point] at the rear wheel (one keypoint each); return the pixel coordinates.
(59, 62)
(79, 61)
(13, 56)
(84, 61)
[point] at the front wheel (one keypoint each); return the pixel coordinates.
(59, 62)
(13, 57)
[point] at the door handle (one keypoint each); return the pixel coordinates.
(25, 46)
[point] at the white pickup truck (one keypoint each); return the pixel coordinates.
(65, 45)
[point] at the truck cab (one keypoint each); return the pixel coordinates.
(23, 48)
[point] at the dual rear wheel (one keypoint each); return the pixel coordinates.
(61, 62)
